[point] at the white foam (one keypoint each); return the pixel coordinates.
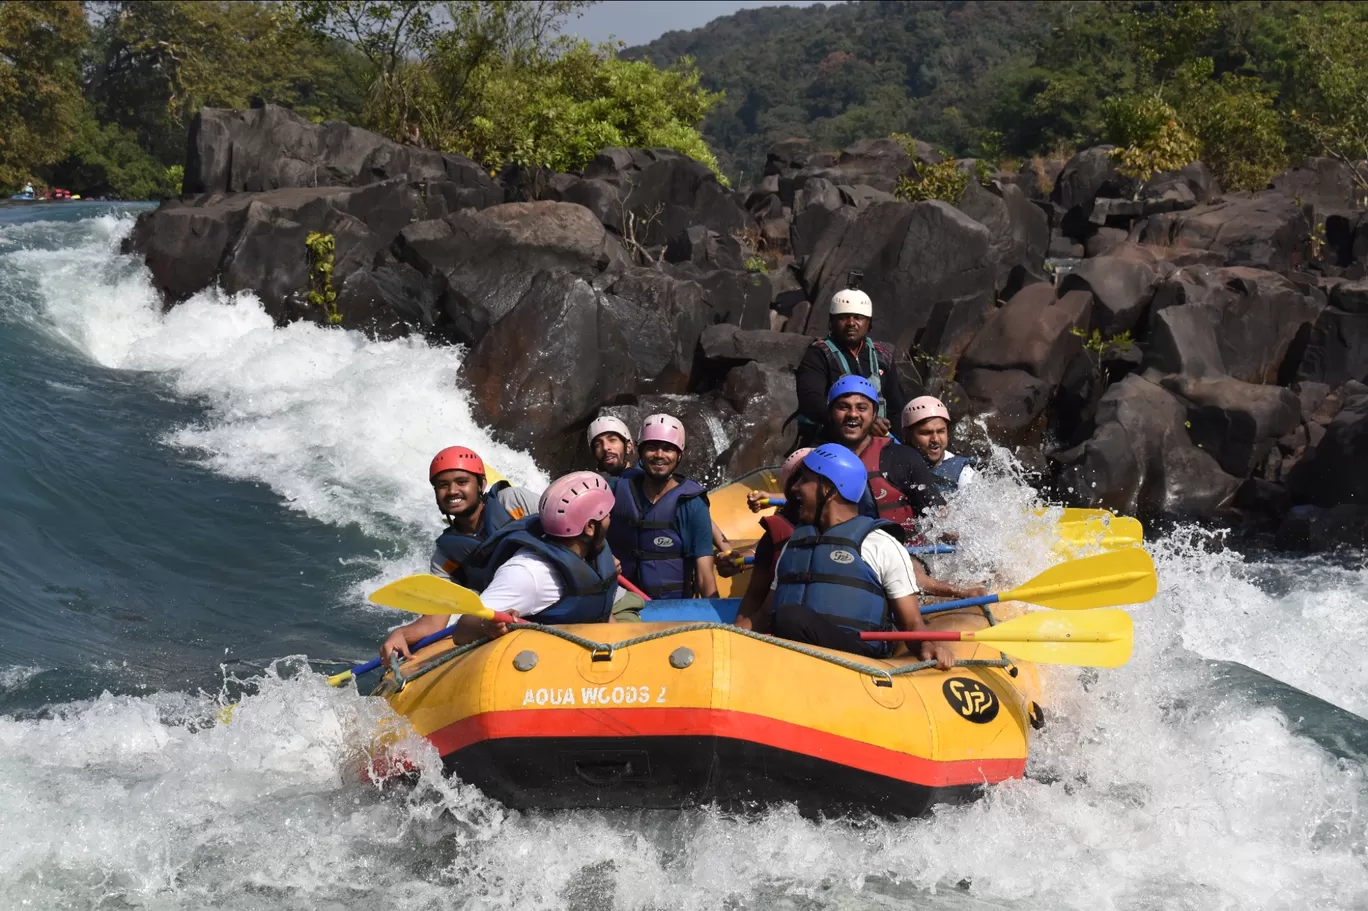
(341, 426)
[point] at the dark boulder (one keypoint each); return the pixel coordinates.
(1088, 175)
(1336, 348)
(728, 343)
(765, 397)
(704, 249)
(1262, 232)
(539, 374)
(913, 255)
(483, 262)
(1325, 183)
(661, 195)
(1122, 287)
(1316, 528)
(1334, 472)
(1019, 231)
(1140, 461)
(1012, 402)
(271, 148)
(1237, 423)
(1240, 322)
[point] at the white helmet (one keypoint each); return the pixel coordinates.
(852, 300)
(609, 424)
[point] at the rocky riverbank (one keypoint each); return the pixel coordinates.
(1226, 380)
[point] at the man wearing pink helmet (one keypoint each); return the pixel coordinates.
(554, 567)
(662, 530)
(926, 425)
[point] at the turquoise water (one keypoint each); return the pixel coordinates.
(193, 505)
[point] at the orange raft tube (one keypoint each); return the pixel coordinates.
(674, 714)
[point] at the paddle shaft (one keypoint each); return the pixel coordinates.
(445, 633)
(622, 580)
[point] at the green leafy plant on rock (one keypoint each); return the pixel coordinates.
(321, 292)
(757, 264)
(1098, 349)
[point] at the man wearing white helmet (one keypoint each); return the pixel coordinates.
(662, 529)
(846, 350)
(611, 443)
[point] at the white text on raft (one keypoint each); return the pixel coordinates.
(594, 695)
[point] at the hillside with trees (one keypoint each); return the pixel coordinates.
(1246, 86)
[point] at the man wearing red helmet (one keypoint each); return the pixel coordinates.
(552, 567)
(662, 529)
(473, 512)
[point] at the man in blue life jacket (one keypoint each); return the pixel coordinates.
(553, 567)
(926, 425)
(846, 351)
(842, 573)
(473, 514)
(662, 530)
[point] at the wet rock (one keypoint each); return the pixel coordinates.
(765, 397)
(1139, 460)
(1315, 528)
(483, 262)
(1333, 473)
(1335, 348)
(726, 342)
(1237, 423)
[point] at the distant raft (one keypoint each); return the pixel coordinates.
(676, 714)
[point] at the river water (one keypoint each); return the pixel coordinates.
(193, 505)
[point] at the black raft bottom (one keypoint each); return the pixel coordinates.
(674, 772)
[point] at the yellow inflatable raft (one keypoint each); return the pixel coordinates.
(674, 714)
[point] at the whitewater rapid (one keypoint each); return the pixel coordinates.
(1152, 786)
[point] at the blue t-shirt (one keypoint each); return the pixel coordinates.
(695, 527)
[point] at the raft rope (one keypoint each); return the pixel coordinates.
(879, 673)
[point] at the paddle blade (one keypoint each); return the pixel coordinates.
(1095, 638)
(340, 679)
(431, 595)
(1105, 529)
(493, 475)
(1124, 576)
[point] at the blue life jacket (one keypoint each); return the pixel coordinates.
(825, 573)
(463, 565)
(587, 591)
(948, 472)
(646, 537)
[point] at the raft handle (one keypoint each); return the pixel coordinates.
(601, 653)
(882, 678)
(603, 772)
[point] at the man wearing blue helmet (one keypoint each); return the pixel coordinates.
(842, 573)
(846, 351)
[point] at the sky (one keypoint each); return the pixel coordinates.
(640, 21)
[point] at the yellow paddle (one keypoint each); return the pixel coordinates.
(424, 594)
(1094, 638)
(1123, 576)
(1087, 526)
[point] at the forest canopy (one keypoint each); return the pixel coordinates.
(98, 97)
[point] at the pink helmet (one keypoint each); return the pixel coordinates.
(923, 407)
(662, 428)
(791, 465)
(572, 501)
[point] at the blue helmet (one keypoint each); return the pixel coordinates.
(852, 383)
(841, 467)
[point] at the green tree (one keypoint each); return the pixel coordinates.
(156, 64)
(106, 160)
(1332, 74)
(40, 85)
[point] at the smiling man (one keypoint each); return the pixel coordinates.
(846, 351)
(661, 529)
(611, 444)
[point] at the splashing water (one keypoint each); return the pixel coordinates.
(1152, 786)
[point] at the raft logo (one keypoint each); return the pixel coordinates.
(663, 541)
(842, 556)
(974, 701)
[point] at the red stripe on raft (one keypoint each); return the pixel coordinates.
(666, 722)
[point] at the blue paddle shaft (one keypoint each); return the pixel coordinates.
(915, 550)
(956, 605)
(421, 643)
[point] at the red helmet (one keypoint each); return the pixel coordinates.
(456, 457)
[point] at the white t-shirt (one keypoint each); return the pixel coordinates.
(889, 560)
(519, 501)
(528, 583)
(966, 476)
